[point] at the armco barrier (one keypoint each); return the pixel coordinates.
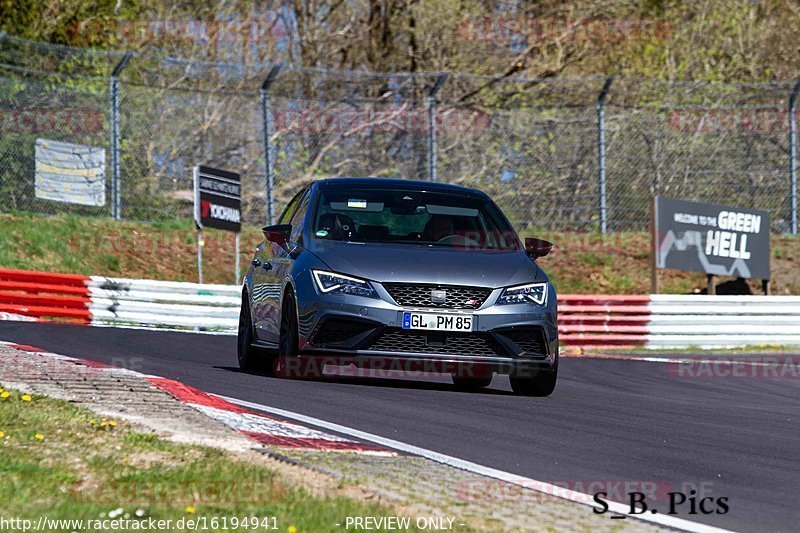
(678, 321)
(586, 321)
(661, 321)
(603, 321)
(103, 301)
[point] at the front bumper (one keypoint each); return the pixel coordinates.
(368, 332)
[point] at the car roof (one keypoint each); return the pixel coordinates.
(401, 184)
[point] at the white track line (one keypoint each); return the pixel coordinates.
(722, 360)
(528, 483)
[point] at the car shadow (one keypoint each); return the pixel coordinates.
(385, 382)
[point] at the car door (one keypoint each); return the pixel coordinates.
(267, 283)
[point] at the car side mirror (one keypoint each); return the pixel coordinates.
(537, 248)
(277, 233)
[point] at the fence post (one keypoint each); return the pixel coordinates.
(267, 124)
(601, 154)
(432, 147)
(793, 157)
(116, 210)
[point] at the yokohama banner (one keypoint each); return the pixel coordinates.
(218, 199)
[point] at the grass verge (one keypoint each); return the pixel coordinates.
(66, 463)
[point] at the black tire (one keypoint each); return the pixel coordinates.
(471, 383)
(250, 358)
(285, 364)
(539, 385)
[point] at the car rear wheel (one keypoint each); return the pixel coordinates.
(542, 384)
(472, 383)
(249, 357)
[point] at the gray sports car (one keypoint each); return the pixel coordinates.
(400, 275)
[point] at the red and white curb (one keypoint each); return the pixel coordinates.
(264, 429)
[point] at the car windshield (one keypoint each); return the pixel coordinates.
(412, 217)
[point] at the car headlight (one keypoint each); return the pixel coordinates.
(332, 283)
(531, 293)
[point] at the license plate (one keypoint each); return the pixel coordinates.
(437, 322)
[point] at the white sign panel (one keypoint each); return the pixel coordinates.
(71, 173)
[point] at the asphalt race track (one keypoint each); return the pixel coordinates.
(609, 420)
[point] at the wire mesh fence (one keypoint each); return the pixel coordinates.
(188, 115)
(552, 153)
(347, 124)
(716, 143)
(53, 93)
(530, 144)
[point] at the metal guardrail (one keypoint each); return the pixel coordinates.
(663, 321)
(586, 321)
(121, 302)
(592, 321)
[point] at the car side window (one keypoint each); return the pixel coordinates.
(286, 216)
(298, 218)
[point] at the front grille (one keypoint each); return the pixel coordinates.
(419, 295)
(334, 331)
(438, 343)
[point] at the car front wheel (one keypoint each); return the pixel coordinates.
(541, 384)
(287, 364)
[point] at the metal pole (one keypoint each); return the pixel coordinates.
(432, 147)
(712, 284)
(114, 148)
(116, 210)
(196, 182)
(200, 245)
(236, 261)
(268, 163)
(654, 246)
(793, 157)
(601, 154)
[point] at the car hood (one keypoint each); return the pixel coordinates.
(428, 264)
